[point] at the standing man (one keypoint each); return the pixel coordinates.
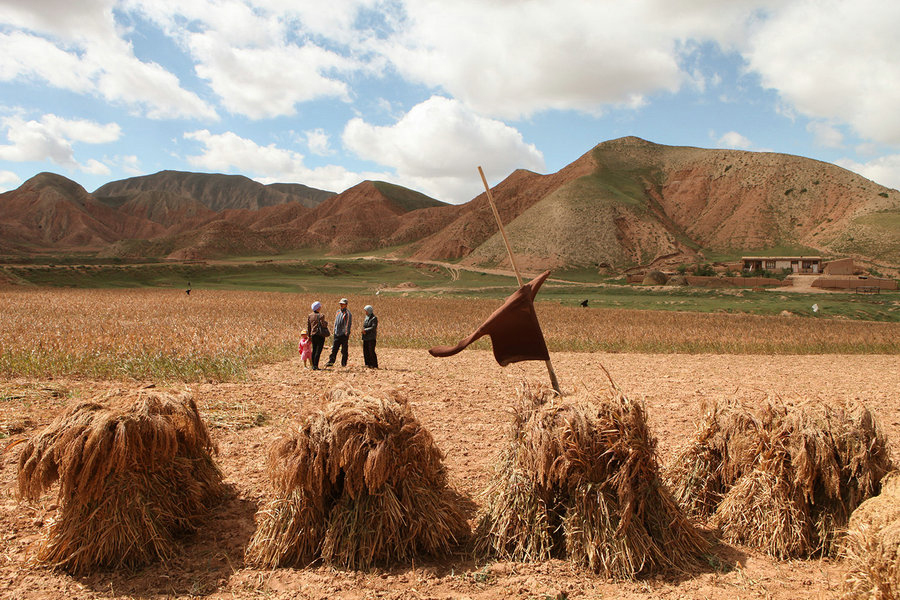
(342, 322)
(369, 335)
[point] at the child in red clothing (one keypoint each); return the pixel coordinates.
(305, 349)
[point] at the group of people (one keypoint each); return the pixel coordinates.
(312, 339)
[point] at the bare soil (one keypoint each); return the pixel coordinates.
(464, 402)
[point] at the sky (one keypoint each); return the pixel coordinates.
(422, 92)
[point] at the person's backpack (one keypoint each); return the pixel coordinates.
(319, 326)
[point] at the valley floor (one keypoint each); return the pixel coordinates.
(464, 402)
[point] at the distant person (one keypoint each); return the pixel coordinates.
(188, 290)
(342, 322)
(369, 334)
(584, 303)
(317, 327)
(305, 349)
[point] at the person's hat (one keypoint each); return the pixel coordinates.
(368, 308)
(343, 301)
(316, 305)
(303, 332)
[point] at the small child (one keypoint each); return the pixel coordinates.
(305, 349)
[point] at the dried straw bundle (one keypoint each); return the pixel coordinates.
(872, 545)
(357, 484)
(580, 479)
(728, 444)
(784, 481)
(132, 474)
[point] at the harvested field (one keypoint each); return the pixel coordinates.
(464, 402)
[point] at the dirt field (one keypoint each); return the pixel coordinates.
(463, 401)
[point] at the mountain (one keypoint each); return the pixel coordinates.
(624, 203)
(214, 191)
(364, 217)
(50, 211)
(631, 202)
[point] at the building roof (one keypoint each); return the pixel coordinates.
(781, 258)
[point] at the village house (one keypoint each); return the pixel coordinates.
(795, 264)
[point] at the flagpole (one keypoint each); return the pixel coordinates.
(553, 381)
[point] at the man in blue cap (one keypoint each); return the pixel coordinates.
(342, 322)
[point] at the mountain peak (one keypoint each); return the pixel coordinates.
(52, 180)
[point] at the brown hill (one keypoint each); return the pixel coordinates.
(624, 203)
(49, 211)
(365, 217)
(218, 240)
(216, 192)
(638, 203)
(165, 208)
(474, 222)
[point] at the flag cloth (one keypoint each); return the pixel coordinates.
(514, 329)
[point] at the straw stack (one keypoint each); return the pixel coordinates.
(135, 470)
(781, 480)
(358, 483)
(871, 546)
(580, 479)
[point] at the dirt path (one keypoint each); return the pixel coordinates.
(463, 401)
(455, 268)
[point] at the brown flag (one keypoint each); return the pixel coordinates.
(514, 329)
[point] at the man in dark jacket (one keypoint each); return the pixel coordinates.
(342, 322)
(369, 334)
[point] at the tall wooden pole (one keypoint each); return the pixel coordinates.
(553, 381)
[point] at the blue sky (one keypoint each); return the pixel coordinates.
(422, 92)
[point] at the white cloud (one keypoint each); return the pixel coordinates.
(76, 46)
(884, 170)
(318, 142)
(337, 23)
(439, 144)
(514, 59)
(52, 139)
(228, 151)
(63, 18)
(130, 164)
(834, 60)
(95, 167)
(123, 78)
(263, 57)
(268, 82)
(104, 68)
(30, 57)
(735, 140)
(8, 181)
(825, 134)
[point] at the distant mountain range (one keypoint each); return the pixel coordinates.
(626, 202)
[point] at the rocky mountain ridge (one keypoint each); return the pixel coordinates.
(625, 202)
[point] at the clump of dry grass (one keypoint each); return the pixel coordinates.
(782, 480)
(871, 545)
(726, 446)
(357, 484)
(580, 479)
(134, 469)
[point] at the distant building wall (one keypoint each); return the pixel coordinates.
(843, 266)
(851, 283)
(743, 282)
(702, 281)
